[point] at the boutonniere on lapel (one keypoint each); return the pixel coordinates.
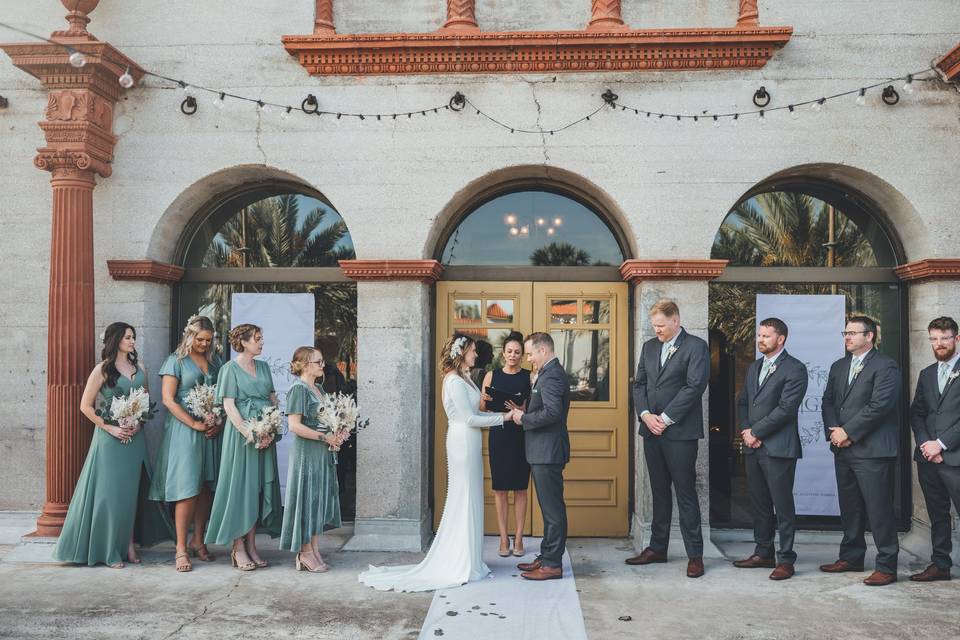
(953, 376)
(672, 350)
(857, 369)
(771, 370)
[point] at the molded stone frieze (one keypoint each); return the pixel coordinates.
(79, 104)
(145, 270)
(636, 271)
(426, 271)
(929, 269)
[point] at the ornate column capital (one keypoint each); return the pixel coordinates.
(636, 271)
(606, 15)
(323, 18)
(461, 16)
(749, 15)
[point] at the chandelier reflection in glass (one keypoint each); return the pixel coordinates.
(518, 228)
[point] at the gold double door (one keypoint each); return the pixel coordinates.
(588, 323)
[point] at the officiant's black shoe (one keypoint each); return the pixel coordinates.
(543, 573)
(530, 566)
(755, 562)
(840, 566)
(880, 579)
(931, 574)
(647, 556)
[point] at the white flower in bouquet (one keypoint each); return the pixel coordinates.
(131, 410)
(338, 414)
(201, 401)
(265, 428)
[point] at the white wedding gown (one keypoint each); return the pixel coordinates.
(456, 555)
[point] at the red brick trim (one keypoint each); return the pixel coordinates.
(929, 269)
(636, 271)
(949, 64)
(145, 271)
(426, 271)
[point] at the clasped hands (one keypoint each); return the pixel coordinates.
(839, 438)
(654, 423)
(515, 413)
(932, 451)
(751, 440)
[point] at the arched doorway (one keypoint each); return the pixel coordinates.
(793, 237)
(275, 237)
(532, 257)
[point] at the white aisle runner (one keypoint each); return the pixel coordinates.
(505, 606)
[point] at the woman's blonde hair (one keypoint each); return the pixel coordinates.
(451, 355)
(301, 358)
(243, 332)
(195, 324)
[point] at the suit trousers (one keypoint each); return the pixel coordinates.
(672, 466)
(865, 488)
(940, 484)
(770, 485)
(548, 481)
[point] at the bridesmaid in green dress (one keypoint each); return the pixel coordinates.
(313, 495)
(248, 488)
(189, 457)
(109, 509)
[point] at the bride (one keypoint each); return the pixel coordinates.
(456, 555)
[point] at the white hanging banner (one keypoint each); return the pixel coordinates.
(815, 323)
(287, 323)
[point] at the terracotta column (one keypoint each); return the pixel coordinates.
(323, 20)
(749, 15)
(461, 15)
(605, 15)
(78, 130)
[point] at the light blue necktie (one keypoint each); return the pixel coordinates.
(664, 350)
(764, 370)
(854, 363)
(944, 376)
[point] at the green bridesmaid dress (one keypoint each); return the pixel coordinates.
(313, 495)
(187, 457)
(109, 502)
(248, 488)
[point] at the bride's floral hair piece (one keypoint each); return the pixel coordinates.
(451, 355)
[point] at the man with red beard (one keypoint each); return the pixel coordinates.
(935, 418)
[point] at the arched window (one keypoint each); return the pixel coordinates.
(532, 227)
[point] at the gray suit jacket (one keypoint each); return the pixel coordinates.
(869, 409)
(770, 410)
(545, 422)
(676, 388)
(937, 416)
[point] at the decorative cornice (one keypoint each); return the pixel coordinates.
(145, 271)
(949, 64)
(445, 52)
(929, 269)
(636, 271)
(426, 271)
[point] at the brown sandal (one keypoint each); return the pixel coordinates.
(202, 553)
(246, 566)
(183, 567)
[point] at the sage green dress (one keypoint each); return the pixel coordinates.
(187, 457)
(248, 488)
(313, 495)
(109, 501)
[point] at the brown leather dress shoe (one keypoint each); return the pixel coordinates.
(543, 573)
(840, 566)
(755, 562)
(782, 572)
(931, 574)
(647, 556)
(694, 567)
(880, 579)
(530, 566)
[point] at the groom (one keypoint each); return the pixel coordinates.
(548, 450)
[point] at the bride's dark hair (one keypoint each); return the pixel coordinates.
(450, 362)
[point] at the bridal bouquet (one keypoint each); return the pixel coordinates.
(265, 428)
(338, 413)
(128, 411)
(201, 401)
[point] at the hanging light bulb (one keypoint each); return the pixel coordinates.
(218, 101)
(763, 119)
(126, 80)
(817, 106)
(524, 230)
(794, 114)
(735, 120)
(187, 90)
(551, 231)
(557, 221)
(514, 231)
(862, 98)
(716, 122)
(510, 219)
(77, 59)
(908, 85)
(264, 107)
(285, 113)
(541, 222)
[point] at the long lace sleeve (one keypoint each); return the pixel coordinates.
(458, 394)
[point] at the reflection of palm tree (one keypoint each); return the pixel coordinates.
(559, 254)
(785, 229)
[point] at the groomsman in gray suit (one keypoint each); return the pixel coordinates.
(767, 410)
(861, 417)
(935, 418)
(672, 374)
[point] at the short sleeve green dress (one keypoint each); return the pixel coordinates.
(109, 501)
(313, 495)
(187, 458)
(248, 487)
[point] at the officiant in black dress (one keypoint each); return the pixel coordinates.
(508, 463)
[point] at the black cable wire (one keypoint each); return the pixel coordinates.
(497, 122)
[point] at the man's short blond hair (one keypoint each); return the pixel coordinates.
(665, 306)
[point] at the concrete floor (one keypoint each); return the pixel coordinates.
(214, 601)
